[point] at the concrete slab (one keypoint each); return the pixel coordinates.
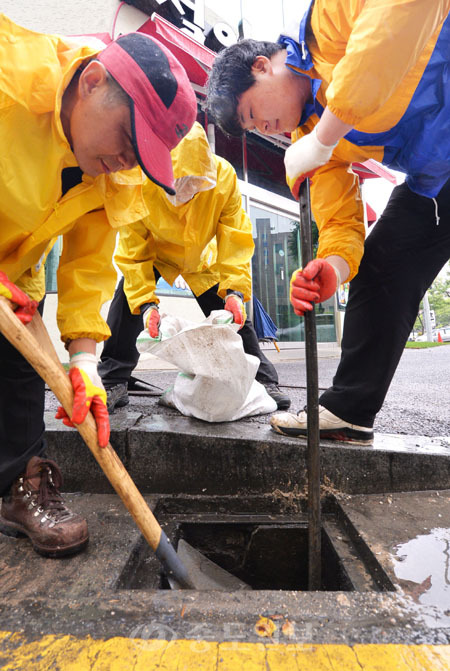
(175, 460)
(79, 596)
(25, 575)
(409, 534)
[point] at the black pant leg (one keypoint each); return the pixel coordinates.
(402, 256)
(209, 301)
(120, 355)
(22, 400)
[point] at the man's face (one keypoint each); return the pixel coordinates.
(274, 103)
(101, 133)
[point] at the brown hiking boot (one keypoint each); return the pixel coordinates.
(34, 507)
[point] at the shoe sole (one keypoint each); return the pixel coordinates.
(350, 436)
(16, 531)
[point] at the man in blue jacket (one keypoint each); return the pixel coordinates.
(356, 81)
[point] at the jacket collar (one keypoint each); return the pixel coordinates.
(299, 57)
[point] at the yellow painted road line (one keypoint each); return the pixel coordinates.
(68, 653)
(403, 657)
(248, 656)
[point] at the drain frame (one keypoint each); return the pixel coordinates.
(357, 567)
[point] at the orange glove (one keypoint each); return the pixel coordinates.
(234, 303)
(295, 187)
(89, 394)
(26, 308)
(151, 321)
(317, 282)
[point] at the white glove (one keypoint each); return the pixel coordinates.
(180, 283)
(89, 394)
(305, 155)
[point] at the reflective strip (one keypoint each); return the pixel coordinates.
(436, 211)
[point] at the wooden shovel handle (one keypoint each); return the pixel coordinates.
(34, 343)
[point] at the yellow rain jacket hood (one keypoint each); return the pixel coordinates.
(35, 70)
(202, 233)
(392, 91)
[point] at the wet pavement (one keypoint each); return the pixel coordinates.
(108, 608)
(409, 534)
(237, 491)
(90, 594)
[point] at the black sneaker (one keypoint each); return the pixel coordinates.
(116, 396)
(282, 400)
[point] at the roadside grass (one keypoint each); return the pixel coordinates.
(424, 345)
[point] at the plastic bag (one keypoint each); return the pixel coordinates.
(217, 379)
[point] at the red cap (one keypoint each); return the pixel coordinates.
(163, 103)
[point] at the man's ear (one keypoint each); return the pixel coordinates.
(261, 65)
(93, 76)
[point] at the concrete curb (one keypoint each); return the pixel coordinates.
(178, 455)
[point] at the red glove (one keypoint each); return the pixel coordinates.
(26, 308)
(151, 321)
(89, 394)
(317, 282)
(234, 303)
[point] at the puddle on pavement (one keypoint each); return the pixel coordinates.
(422, 566)
(266, 551)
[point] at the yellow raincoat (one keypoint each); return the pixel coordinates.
(202, 233)
(380, 67)
(35, 70)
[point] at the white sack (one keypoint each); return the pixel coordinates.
(217, 380)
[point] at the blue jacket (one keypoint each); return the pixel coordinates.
(384, 69)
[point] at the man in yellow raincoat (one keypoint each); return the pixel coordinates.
(201, 233)
(356, 80)
(76, 119)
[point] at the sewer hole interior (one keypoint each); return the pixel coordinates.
(266, 556)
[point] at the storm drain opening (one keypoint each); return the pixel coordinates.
(266, 551)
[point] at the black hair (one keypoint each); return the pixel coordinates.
(230, 77)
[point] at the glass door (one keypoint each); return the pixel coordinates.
(277, 255)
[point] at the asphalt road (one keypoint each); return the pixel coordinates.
(418, 401)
